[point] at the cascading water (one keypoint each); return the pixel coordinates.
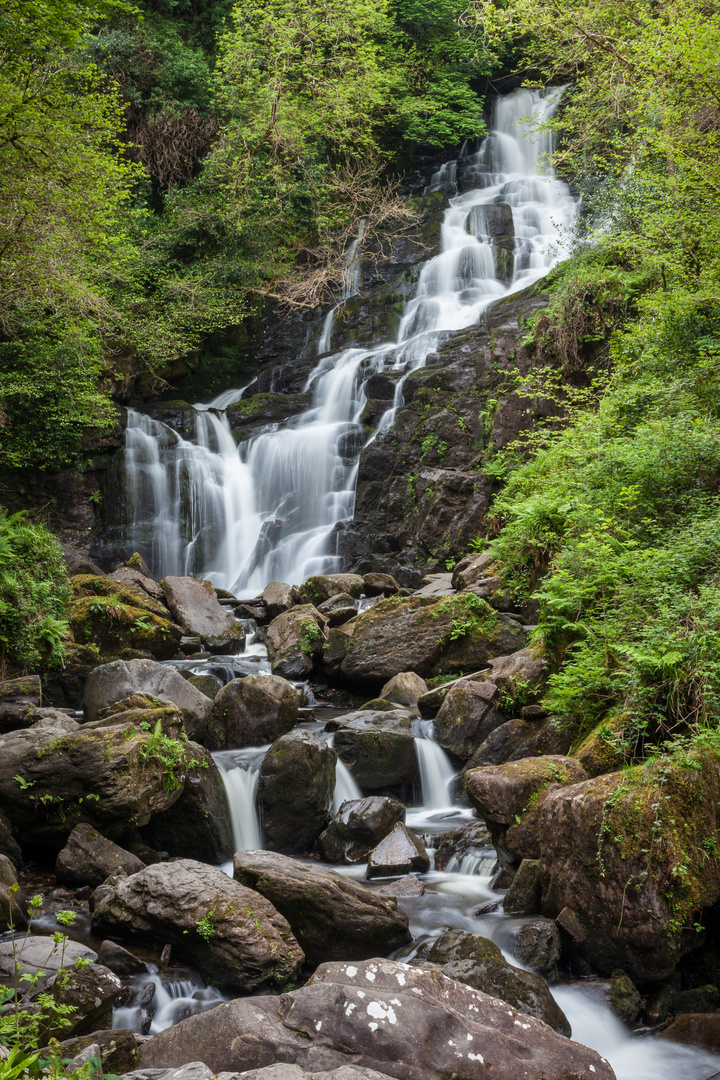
(240, 770)
(205, 507)
(436, 771)
(346, 788)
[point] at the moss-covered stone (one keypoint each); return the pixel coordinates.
(117, 591)
(114, 626)
(599, 751)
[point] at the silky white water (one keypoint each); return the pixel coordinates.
(240, 771)
(268, 509)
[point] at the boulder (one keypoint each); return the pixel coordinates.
(408, 1023)
(110, 683)
(601, 751)
(702, 999)
(232, 935)
(359, 826)
(88, 858)
(295, 790)
(116, 618)
(252, 711)
(479, 962)
(624, 853)
(436, 585)
(209, 685)
(332, 916)
(339, 609)
(501, 793)
(41, 953)
(399, 853)
(111, 777)
(197, 825)
(429, 704)
(13, 906)
(119, 960)
(380, 585)
(130, 594)
(471, 569)
(277, 597)
(404, 689)
(467, 716)
(518, 739)
(536, 944)
(118, 1049)
(409, 885)
(195, 606)
(89, 992)
(701, 1030)
(520, 674)
(472, 839)
(294, 641)
(525, 893)
(129, 576)
(320, 588)
(56, 719)
(377, 747)
(17, 698)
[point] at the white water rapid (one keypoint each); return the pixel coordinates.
(240, 770)
(267, 509)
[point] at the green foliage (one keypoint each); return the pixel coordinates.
(166, 756)
(34, 591)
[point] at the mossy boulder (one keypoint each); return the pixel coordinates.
(252, 711)
(316, 590)
(122, 592)
(467, 716)
(295, 641)
(599, 751)
(518, 739)
(634, 855)
(114, 626)
(502, 793)
(295, 790)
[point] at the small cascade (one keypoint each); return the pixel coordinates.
(240, 778)
(345, 787)
(481, 863)
(156, 1003)
(436, 772)
(269, 509)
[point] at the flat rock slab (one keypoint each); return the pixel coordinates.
(402, 1021)
(41, 953)
(195, 606)
(332, 916)
(410, 885)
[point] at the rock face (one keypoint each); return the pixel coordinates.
(194, 605)
(404, 689)
(408, 1023)
(234, 936)
(295, 790)
(252, 711)
(377, 747)
(479, 962)
(332, 916)
(500, 793)
(294, 641)
(399, 853)
(114, 682)
(467, 716)
(88, 858)
(359, 826)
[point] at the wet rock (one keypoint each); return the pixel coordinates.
(295, 789)
(467, 716)
(500, 793)
(518, 739)
(89, 992)
(403, 1021)
(88, 858)
(624, 999)
(703, 999)
(409, 885)
(536, 944)
(13, 906)
(197, 825)
(701, 1030)
(380, 585)
(119, 960)
(17, 698)
(332, 916)
(338, 610)
(359, 826)
(127, 575)
(395, 635)
(525, 893)
(208, 685)
(333, 652)
(404, 689)
(472, 839)
(470, 570)
(479, 962)
(429, 703)
(8, 844)
(378, 748)
(320, 588)
(399, 853)
(194, 605)
(111, 683)
(519, 673)
(118, 1049)
(252, 711)
(234, 936)
(277, 598)
(295, 641)
(657, 1008)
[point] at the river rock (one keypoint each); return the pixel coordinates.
(320, 588)
(127, 575)
(435, 585)
(472, 839)
(404, 689)
(117, 618)
(111, 777)
(470, 570)
(359, 826)
(408, 1023)
(518, 739)
(332, 916)
(197, 825)
(90, 992)
(295, 790)
(246, 944)
(536, 944)
(88, 858)
(56, 719)
(409, 885)
(467, 716)
(338, 609)
(277, 597)
(525, 893)
(195, 606)
(294, 641)
(252, 711)
(701, 1030)
(110, 683)
(8, 844)
(17, 698)
(13, 906)
(377, 747)
(520, 673)
(118, 1049)
(429, 703)
(380, 585)
(119, 960)
(398, 854)
(500, 793)
(479, 962)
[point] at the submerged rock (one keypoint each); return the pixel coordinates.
(252, 711)
(234, 936)
(332, 916)
(88, 858)
(408, 1023)
(295, 790)
(359, 826)
(399, 853)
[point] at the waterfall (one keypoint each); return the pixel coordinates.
(436, 772)
(346, 789)
(240, 782)
(269, 509)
